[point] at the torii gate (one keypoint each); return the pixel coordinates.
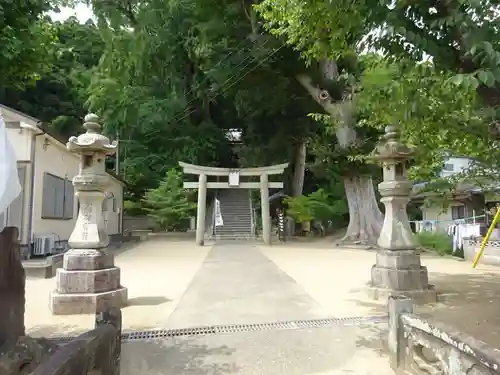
(233, 176)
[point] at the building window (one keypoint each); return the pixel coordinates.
(114, 204)
(457, 212)
(58, 198)
(448, 167)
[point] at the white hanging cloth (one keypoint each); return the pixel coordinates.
(458, 237)
(459, 231)
(10, 188)
(218, 215)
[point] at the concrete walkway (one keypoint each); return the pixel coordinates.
(317, 351)
(237, 284)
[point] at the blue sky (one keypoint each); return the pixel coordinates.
(81, 11)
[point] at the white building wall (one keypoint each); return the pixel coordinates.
(20, 139)
(454, 165)
(114, 207)
(56, 160)
(52, 157)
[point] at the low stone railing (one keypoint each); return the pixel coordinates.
(96, 352)
(491, 254)
(419, 346)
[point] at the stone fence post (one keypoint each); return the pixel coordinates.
(12, 287)
(397, 341)
(112, 316)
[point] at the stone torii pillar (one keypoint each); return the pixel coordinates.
(233, 183)
(89, 282)
(398, 270)
(201, 209)
(264, 207)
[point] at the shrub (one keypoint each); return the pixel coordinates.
(319, 205)
(437, 241)
(300, 208)
(169, 204)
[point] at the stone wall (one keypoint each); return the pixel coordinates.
(491, 253)
(421, 346)
(138, 223)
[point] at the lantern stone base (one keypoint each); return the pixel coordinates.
(87, 303)
(89, 283)
(87, 259)
(400, 273)
(419, 297)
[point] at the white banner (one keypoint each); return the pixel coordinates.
(10, 187)
(218, 215)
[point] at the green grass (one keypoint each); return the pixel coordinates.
(439, 242)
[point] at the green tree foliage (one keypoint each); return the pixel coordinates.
(151, 90)
(169, 203)
(58, 97)
(459, 37)
(436, 117)
(176, 76)
(26, 41)
(333, 36)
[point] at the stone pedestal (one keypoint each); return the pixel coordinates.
(400, 273)
(397, 270)
(89, 282)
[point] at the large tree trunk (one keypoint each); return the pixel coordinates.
(365, 218)
(300, 169)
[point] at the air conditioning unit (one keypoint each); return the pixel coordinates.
(43, 245)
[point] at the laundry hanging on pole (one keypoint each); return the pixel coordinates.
(10, 188)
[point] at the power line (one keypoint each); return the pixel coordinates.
(272, 53)
(186, 112)
(177, 118)
(221, 61)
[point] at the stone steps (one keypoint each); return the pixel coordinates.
(236, 214)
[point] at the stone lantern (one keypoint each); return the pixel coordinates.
(89, 282)
(398, 270)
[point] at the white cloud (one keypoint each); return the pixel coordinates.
(81, 12)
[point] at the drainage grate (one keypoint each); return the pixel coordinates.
(165, 333)
(233, 328)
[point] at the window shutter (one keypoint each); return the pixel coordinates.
(59, 199)
(49, 196)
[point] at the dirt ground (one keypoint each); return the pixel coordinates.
(158, 272)
(468, 299)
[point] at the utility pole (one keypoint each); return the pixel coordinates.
(117, 155)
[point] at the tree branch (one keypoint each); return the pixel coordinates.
(339, 111)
